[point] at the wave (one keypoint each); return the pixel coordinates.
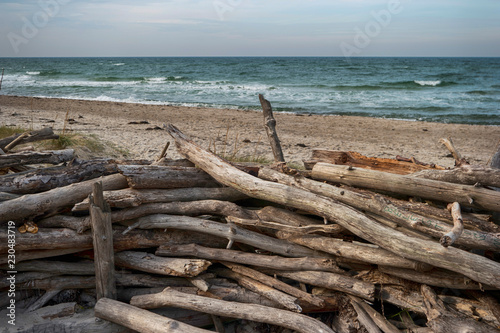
(119, 64)
(428, 83)
(33, 73)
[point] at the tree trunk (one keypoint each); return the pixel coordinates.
(253, 259)
(258, 313)
(30, 206)
(140, 320)
(424, 188)
(373, 163)
(464, 174)
(41, 180)
(133, 198)
(47, 157)
(150, 263)
(157, 177)
(474, 266)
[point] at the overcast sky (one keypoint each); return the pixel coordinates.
(250, 28)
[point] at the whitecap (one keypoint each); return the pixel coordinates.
(33, 73)
(428, 83)
(119, 64)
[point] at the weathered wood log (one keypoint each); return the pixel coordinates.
(267, 261)
(55, 267)
(495, 159)
(448, 143)
(458, 226)
(357, 251)
(285, 300)
(139, 319)
(377, 318)
(275, 283)
(436, 277)
(425, 188)
(57, 239)
(258, 313)
(150, 263)
(373, 163)
(464, 174)
(364, 319)
(29, 206)
(190, 208)
(40, 180)
(27, 158)
(43, 134)
(158, 177)
(328, 229)
(473, 266)
(442, 319)
(102, 240)
(233, 232)
(333, 281)
(37, 254)
(285, 216)
(270, 125)
(133, 198)
(387, 207)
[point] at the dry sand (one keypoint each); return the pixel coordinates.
(299, 134)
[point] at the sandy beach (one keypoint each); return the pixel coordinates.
(137, 129)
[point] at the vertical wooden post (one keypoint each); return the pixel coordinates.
(102, 234)
(270, 125)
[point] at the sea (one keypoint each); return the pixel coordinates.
(447, 90)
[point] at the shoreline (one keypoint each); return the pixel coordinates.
(241, 132)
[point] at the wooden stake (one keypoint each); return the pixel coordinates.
(270, 125)
(102, 235)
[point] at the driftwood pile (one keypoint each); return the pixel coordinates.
(175, 245)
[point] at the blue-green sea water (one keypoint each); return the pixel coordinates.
(449, 90)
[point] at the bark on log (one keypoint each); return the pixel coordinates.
(425, 188)
(158, 177)
(464, 174)
(356, 251)
(27, 158)
(140, 320)
(253, 259)
(102, 240)
(234, 233)
(133, 198)
(442, 319)
(473, 266)
(150, 263)
(29, 206)
(43, 134)
(258, 313)
(259, 223)
(394, 210)
(285, 300)
(373, 163)
(41, 180)
(270, 125)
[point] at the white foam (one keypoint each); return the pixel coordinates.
(428, 83)
(119, 64)
(33, 73)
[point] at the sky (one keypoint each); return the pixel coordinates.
(66, 28)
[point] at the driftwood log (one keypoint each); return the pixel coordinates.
(425, 188)
(474, 266)
(40, 135)
(258, 313)
(46, 157)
